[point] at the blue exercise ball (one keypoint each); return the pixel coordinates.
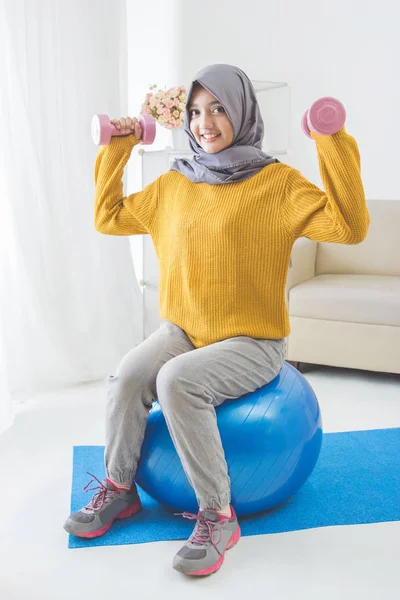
(271, 437)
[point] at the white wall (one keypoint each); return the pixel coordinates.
(349, 49)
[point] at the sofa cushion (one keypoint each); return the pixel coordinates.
(373, 299)
(378, 254)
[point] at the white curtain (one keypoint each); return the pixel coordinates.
(70, 304)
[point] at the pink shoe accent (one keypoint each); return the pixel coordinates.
(233, 540)
(129, 511)
(117, 487)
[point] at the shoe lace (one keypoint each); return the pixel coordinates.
(205, 531)
(100, 497)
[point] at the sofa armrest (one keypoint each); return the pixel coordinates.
(302, 268)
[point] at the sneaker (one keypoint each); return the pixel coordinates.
(204, 551)
(108, 504)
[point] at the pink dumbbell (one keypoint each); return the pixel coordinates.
(103, 130)
(325, 117)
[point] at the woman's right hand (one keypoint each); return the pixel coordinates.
(127, 125)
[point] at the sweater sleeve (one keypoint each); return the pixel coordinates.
(339, 214)
(114, 213)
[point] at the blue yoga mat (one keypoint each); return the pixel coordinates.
(356, 480)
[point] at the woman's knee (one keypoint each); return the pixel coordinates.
(177, 381)
(169, 381)
(121, 384)
(129, 383)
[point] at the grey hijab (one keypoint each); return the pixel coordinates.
(244, 158)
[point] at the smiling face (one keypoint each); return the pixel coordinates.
(209, 122)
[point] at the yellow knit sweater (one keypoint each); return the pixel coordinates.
(223, 250)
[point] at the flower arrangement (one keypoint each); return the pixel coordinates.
(166, 106)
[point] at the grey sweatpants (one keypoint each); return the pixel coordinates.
(188, 384)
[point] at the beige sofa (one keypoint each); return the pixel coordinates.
(344, 301)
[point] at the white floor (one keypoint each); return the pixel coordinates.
(357, 562)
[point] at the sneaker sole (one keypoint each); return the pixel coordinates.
(210, 570)
(129, 511)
